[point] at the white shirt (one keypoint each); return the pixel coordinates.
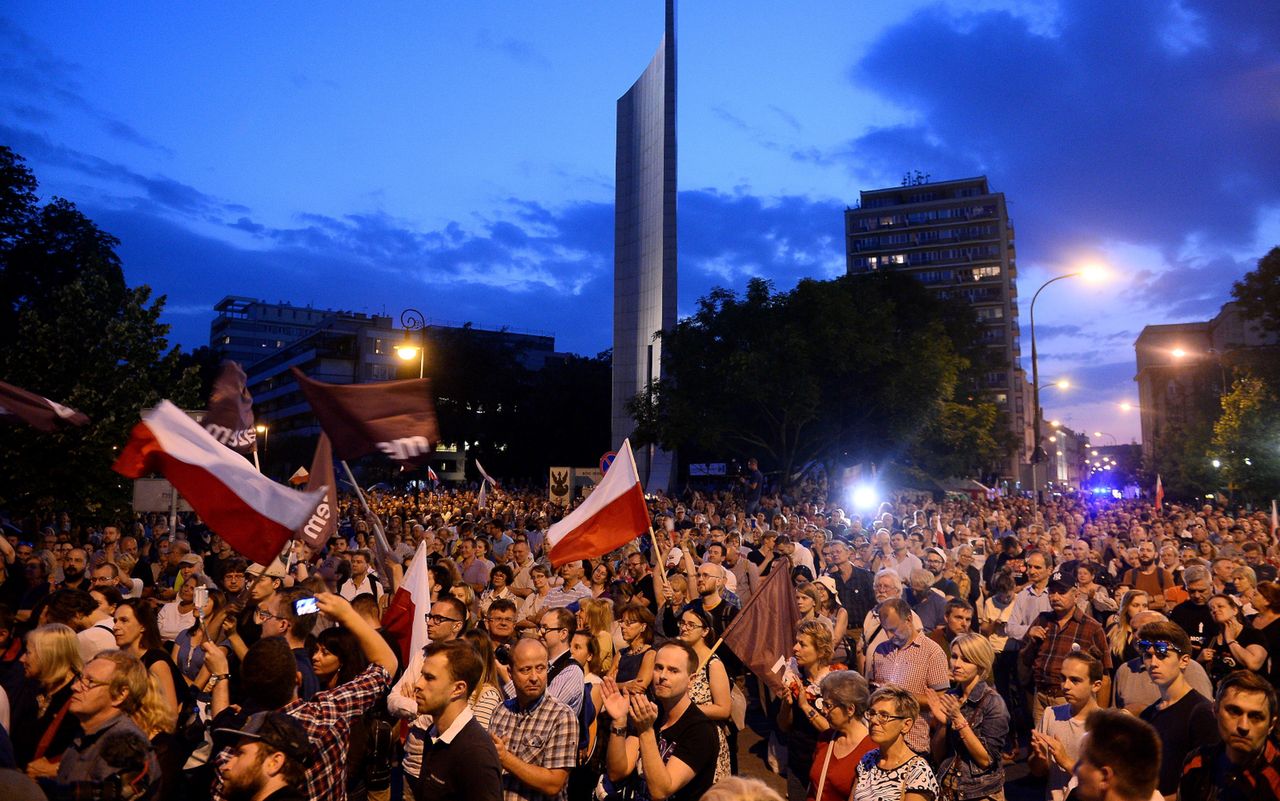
(350, 589)
(172, 621)
(94, 640)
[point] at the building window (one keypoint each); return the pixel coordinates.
(1002, 399)
(377, 347)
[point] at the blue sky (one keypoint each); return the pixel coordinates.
(458, 158)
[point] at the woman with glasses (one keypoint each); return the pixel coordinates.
(892, 771)
(500, 579)
(975, 723)
(709, 684)
(799, 717)
(137, 634)
(43, 726)
(633, 670)
(844, 696)
(531, 609)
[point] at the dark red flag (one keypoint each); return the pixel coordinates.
(19, 406)
(230, 415)
(324, 520)
(763, 633)
(397, 418)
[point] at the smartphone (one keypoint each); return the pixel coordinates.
(200, 598)
(306, 606)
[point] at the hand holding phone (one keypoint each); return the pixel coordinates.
(306, 606)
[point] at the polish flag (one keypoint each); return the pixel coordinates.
(405, 618)
(939, 534)
(1275, 519)
(611, 516)
(250, 511)
(1159, 492)
(486, 475)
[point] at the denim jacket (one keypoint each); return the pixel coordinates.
(989, 717)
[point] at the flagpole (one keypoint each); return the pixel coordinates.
(383, 549)
(660, 567)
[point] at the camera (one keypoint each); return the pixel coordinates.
(503, 654)
(306, 606)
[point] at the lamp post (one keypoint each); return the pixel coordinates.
(413, 320)
(1037, 453)
(1114, 441)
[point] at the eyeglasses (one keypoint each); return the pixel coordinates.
(685, 624)
(1159, 647)
(441, 619)
(90, 683)
(882, 717)
(545, 629)
(501, 620)
(262, 616)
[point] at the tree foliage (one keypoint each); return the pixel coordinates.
(1246, 439)
(71, 330)
(860, 368)
(1258, 292)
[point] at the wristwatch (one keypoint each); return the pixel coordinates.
(620, 730)
(217, 677)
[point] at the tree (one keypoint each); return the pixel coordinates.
(839, 371)
(1258, 292)
(1246, 439)
(74, 332)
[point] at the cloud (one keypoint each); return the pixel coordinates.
(32, 78)
(1152, 122)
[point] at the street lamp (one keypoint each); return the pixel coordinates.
(263, 432)
(1090, 273)
(413, 320)
(1114, 441)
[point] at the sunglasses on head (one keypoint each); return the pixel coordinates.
(1160, 647)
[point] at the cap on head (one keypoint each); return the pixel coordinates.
(279, 731)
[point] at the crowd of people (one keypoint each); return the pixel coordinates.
(1116, 650)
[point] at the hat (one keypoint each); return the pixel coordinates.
(1060, 583)
(189, 559)
(674, 556)
(829, 583)
(273, 570)
(941, 553)
(278, 730)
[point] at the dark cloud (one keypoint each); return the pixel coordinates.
(1152, 122)
(32, 77)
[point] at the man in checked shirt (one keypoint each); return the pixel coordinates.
(269, 680)
(1053, 635)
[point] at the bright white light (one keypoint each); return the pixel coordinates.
(1216, 463)
(865, 497)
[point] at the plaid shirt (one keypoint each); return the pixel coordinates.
(1059, 640)
(327, 720)
(544, 734)
(915, 667)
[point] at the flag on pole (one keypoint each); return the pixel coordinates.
(1275, 520)
(19, 406)
(762, 634)
(1159, 492)
(611, 516)
(397, 418)
(431, 475)
(229, 417)
(938, 533)
(483, 498)
(405, 618)
(255, 515)
(299, 477)
(483, 473)
(324, 520)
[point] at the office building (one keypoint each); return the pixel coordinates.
(644, 267)
(956, 238)
(1184, 368)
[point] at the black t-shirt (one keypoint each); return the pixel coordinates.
(1225, 661)
(1196, 621)
(465, 768)
(693, 740)
(644, 588)
(1188, 724)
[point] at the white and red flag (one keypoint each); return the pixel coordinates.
(485, 473)
(1159, 492)
(1275, 520)
(938, 533)
(255, 515)
(405, 618)
(611, 516)
(20, 406)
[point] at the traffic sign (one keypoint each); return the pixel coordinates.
(607, 460)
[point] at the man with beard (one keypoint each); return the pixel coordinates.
(73, 570)
(673, 742)
(269, 760)
(1149, 576)
(1056, 634)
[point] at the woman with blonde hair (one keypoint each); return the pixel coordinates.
(975, 722)
(1120, 635)
(675, 594)
(487, 695)
(799, 718)
(892, 771)
(596, 616)
(464, 592)
(43, 726)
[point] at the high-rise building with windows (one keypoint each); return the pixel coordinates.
(956, 238)
(644, 262)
